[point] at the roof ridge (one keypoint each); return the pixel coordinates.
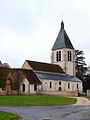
(42, 62)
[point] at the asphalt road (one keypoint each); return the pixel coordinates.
(67, 112)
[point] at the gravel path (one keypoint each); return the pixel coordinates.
(78, 111)
(82, 101)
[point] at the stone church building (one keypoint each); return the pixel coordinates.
(57, 76)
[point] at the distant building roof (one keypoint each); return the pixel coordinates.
(28, 74)
(62, 40)
(31, 76)
(57, 77)
(45, 67)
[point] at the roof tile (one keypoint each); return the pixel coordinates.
(45, 67)
(62, 40)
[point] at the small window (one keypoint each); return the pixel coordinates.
(57, 56)
(77, 86)
(35, 87)
(68, 85)
(23, 87)
(69, 54)
(50, 84)
(59, 83)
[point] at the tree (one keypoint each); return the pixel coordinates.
(3, 76)
(87, 79)
(88, 70)
(80, 64)
(17, 77)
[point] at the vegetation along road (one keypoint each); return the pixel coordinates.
(8, 116)
(78, 111)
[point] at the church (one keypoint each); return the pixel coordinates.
(57, 76)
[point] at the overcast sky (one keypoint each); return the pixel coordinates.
(28, 28)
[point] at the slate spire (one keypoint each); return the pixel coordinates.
(62, 25)
(62, 40)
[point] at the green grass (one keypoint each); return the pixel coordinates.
(8, 116)
(22, 100)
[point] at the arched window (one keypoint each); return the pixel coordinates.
(35, 87)
(77, 86)
(23, 87)
(69, 55)
(68, 85)
(50, 84)
(59, 56)
(59, 83)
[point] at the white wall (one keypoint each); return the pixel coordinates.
(67, 66)
(64, 85)
(25, 81)
(29, 88)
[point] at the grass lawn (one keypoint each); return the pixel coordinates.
(22, 100)
(8, 116)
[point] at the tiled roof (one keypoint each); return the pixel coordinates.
(45, 67)
(62, 40)
(31, 76)
(57, 77)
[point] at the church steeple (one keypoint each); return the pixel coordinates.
(63, 52)
(62, 40)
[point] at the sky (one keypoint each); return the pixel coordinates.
(28, 28)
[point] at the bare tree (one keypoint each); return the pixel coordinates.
(3, 76)
(17, 77)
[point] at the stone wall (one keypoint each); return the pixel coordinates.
(61, 93)
(64, 85)
(2, 92)
(67, 66)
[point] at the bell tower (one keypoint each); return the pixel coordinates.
(63, 52)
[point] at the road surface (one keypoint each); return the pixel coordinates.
(78, 111)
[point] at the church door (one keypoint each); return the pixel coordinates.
(23, 87)
(35, 87)
(60, 89)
